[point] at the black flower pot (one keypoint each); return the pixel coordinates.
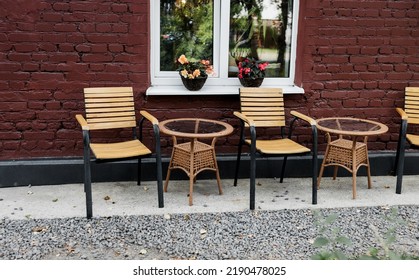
(194, 84)
(249, 82)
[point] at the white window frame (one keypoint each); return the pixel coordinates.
(169, 83)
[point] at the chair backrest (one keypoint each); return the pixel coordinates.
(109, 107)
(265, 106)
(411, 104)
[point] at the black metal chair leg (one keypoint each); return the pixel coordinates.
(252, 168)
(159, 182)
(236, 173)
(400, 168)
(314, 180)
(252, 181)
(87, 174)
(400, 156)
(88, 188)
(284, 162)
(139, 172)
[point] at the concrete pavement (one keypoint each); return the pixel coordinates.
(126, 198)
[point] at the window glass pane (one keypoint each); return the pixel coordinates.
(261, 29)
(186, 27)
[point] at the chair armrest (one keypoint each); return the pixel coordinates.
(402, 113)
(303, 117)
(156, 129)
(149, 117)
(244, 118)
(313, 125)
(82, 121)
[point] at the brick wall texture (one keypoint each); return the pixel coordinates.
(355, 58)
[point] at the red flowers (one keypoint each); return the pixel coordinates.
(251, 68)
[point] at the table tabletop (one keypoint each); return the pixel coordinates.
(195, 128)
(351, 126)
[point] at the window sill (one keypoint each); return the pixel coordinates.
(211, 90)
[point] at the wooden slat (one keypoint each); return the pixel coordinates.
(110, 105)
(264, 117)
(411, 99)
(119, 150)
(413, 120)
(105, 95)
(280, 146)
(269, 123)
(414, 90)
(412, 104)
(264, 103)
(102, 90)
(102, 110)
(264, 113)
(256, 99)
(109, 120)
(248, 109)
(107, 114)
(411, 111)
(95, 126)
(265, 106)
(110, 100)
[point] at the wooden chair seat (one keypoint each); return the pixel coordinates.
(413, 139)
(279, 147)
(133, 148)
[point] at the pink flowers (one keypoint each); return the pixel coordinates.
(262, 66)
(251, 68)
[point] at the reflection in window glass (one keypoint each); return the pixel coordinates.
(261, 29)
(186, 28)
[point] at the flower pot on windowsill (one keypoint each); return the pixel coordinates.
(193, 84)
(250, 82)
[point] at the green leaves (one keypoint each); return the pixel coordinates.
(330, 239)
(343, 240)
(320, 242)
(331, 242)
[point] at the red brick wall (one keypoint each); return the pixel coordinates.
(355, 59)
(50, 51)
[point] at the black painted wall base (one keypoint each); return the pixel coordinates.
(70, 170)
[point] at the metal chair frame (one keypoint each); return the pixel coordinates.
(87, 157)
(246, 120)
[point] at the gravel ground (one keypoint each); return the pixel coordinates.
(283, 234)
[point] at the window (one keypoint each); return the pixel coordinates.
(222, 32)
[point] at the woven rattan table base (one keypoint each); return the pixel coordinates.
(202, 157)
(343, 153)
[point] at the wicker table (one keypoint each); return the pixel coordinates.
(194, 156)
(348, 153)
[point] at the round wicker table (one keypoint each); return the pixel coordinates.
(194, 156)
(350, 153)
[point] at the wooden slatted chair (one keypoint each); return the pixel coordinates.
(264, 108)
(113, 108)
(409, 116)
